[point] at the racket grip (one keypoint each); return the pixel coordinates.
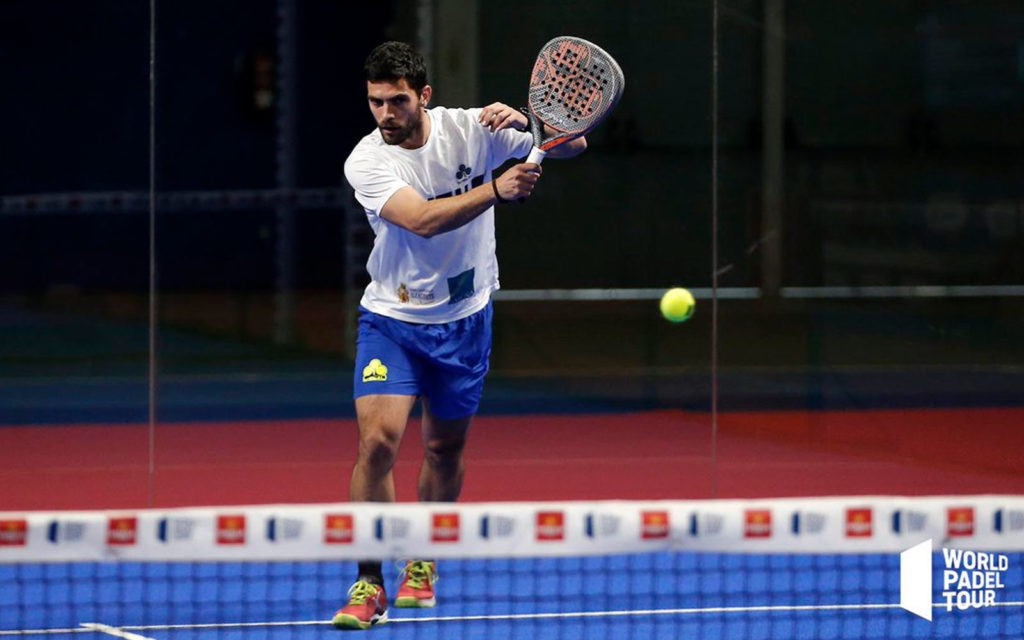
(536, 156)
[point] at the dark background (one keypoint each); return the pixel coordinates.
(903, 165)
(76, 119)
(905, 102)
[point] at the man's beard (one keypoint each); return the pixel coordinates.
(400, 135)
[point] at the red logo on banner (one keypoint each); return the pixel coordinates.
(444, 527)
(339, 528)
(960, 522)
(122, 531)
(13, 533)
(550, 525)
(858, 523)
(654, 525)
(231, 529)
(757, 523)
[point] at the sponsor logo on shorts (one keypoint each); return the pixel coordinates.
(376, 371)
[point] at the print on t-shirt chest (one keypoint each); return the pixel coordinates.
(459, 180)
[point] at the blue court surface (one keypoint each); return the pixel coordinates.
(664, 595)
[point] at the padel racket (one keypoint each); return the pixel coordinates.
(575, 84)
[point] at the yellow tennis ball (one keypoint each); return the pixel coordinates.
(677, 305)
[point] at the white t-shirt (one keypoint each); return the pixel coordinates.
(451, 275)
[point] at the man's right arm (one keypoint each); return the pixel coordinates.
(406, 208)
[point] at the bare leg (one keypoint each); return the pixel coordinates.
(441, 475)
(382, 421)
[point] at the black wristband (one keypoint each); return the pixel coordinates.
(494, 186)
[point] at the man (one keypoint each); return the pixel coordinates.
(425, 180)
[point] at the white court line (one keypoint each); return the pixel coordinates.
(41, 632)
(685, 611)
(113, 631)
(125, 631)
(647, 612)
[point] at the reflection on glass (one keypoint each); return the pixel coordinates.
(73, 256)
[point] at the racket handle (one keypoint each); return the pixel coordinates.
(536, 156)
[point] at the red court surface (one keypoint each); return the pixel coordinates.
(648, 455)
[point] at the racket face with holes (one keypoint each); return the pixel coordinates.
(575, 84)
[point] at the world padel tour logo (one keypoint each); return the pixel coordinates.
(970, 579)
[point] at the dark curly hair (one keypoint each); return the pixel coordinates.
(392, 61)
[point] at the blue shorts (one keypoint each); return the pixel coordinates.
(445, 363)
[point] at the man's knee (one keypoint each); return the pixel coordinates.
(444, 451)
(378, 449)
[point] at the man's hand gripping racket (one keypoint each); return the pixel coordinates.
(575, 84)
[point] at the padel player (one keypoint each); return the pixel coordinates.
(425, 178)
